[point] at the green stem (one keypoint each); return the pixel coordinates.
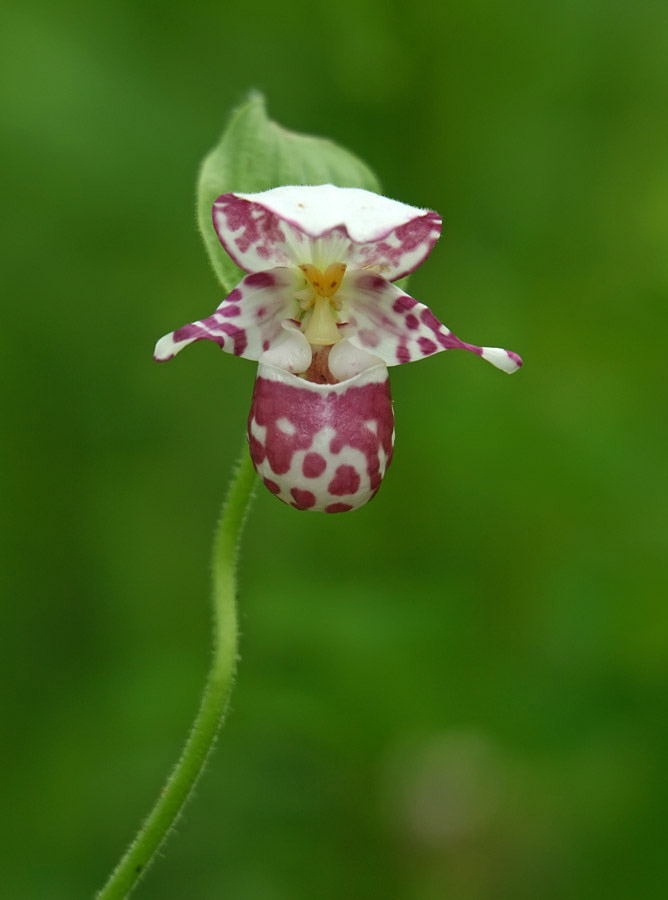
(214, 701)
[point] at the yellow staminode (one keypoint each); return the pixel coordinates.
(321, 325)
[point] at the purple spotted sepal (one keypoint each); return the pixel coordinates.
(323, 447)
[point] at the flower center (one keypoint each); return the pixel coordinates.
(319, 297)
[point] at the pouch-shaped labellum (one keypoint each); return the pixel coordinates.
(323, 447)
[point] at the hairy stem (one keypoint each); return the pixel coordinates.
(209, 719)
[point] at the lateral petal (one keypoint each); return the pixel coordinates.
(248, 322)
(384, 321)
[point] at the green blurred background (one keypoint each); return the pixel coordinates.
(457, 692)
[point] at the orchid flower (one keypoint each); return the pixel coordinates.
(320, 313)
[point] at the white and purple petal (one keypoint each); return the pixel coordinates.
(388, 323)
(321, 447)
(321, 223)
(248, 322)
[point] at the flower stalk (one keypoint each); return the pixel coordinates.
(211, 713)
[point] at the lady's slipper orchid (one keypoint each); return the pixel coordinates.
(318, 310)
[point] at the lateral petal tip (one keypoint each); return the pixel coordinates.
(505, 360)
(165, 348)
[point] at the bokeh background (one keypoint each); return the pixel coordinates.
(459, 691)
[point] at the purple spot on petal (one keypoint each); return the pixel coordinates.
(368, 337)
(230, 311)
(265, 345)
(403, 354)
(427, 346)
(186, 332)
(260, 280)
(370, 282)
(257, 450)
(314, 464)
(412, 322)
(272, 486)
(345, 481)
(429, 319)
(303, 499)
(260, 312)
(238, 335)
(338, 507)
(515, 357)
(234, 297)
(403, 303)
